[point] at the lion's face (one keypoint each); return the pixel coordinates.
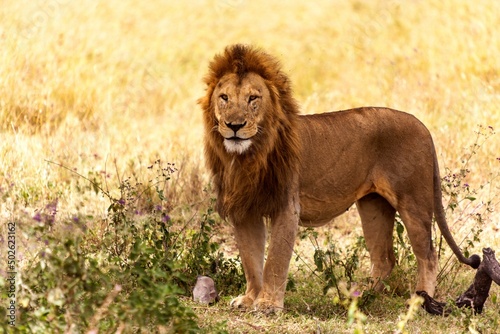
(240, 105)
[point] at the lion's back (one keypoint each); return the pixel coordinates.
(344, 152)
(340, 133)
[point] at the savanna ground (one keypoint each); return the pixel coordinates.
(98, 97)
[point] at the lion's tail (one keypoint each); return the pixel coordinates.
(474, 261)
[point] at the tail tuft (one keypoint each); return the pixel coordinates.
(474, 261)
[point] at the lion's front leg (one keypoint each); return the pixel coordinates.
(250, 233)
(283, 232)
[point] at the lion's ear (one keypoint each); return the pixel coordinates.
(283, 82)
(205, 101)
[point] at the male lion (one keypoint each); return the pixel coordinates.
(268, 161)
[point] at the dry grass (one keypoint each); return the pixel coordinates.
(108, 87)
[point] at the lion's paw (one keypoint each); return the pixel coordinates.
(261, 304)
(266, 306)
(241, 302)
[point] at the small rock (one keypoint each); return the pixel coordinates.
(204, 290)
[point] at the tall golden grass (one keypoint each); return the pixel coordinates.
(107, 85)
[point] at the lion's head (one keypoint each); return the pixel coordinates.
(251, 142)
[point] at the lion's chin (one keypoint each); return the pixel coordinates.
(238, 146)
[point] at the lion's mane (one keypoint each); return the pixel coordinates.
(257, 181)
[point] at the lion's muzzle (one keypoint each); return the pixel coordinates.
(235, 140)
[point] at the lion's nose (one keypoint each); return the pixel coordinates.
(235, 126)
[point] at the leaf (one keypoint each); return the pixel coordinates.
(318, 259)
(400, 228)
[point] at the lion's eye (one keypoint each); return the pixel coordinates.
(252, 98)
(224, 97)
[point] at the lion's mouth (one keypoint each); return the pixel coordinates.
(237, 139)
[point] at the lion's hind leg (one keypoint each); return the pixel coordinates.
(417, 218)
(377, 217)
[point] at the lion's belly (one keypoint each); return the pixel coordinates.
(316, 211)
(337, 163)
